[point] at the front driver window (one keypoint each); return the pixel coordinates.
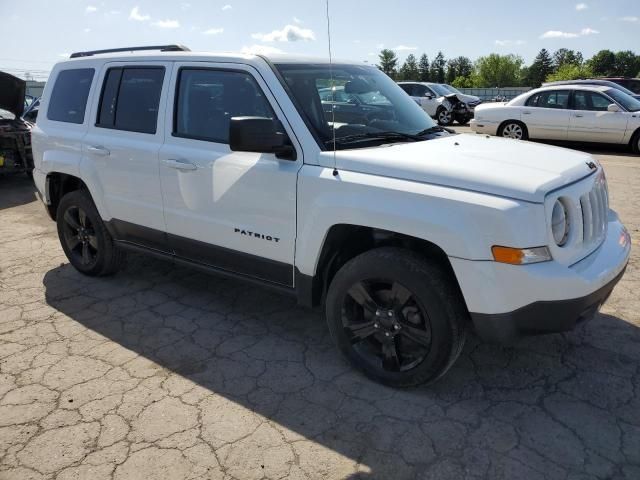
(590, 101)
(207, 100)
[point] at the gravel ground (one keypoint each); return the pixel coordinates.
(164, 373)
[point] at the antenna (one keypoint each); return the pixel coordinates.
(333, 113)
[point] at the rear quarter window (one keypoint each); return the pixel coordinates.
(68, 100)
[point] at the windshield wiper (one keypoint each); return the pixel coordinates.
(385, 135)
(434, 129)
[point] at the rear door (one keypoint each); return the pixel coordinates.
(235, 211)
(546, 114)
(591, 122)
(122, 146)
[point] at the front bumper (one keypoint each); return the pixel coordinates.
(507, 301)
(541, 317)
(484, 127)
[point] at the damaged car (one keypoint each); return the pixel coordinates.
(441, 102)
(15, 132)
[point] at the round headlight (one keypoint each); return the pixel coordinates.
(559, 223)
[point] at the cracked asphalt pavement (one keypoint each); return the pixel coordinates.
(162, 372)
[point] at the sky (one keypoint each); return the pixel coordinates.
(43, 32)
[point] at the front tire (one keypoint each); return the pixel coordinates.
(84, 238)
(444, 117)
(396, 317)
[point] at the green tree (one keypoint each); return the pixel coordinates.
(458, 67)
(497, 70)
(423, 68)
(603, 63)
(388, 62)
(570, 71)
(437, 71)
(409, 70)
(627, 63)
(465, 82)
(540, 69)
(564, 56)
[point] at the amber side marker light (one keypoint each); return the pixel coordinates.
(520, 256)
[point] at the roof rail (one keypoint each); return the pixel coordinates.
(162, 48)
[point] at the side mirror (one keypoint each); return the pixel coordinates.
(428, 96)
(261, 135)
(613, 108)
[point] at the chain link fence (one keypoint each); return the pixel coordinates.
(488, 94)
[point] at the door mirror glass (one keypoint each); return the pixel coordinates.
(613, 108)
(261, 135)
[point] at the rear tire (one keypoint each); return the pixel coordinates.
(513, 129)
(84, 238)
(396, 317)
(635, 143)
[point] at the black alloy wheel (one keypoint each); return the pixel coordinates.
(386, 324)
(80, 236)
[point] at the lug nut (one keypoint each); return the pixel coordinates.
(386, 334)
(396, 327)
(390, 313)
(377, 313)
(375, 325)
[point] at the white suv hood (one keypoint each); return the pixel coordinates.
(505, 167)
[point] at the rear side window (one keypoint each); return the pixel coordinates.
(407, 87)
(208, 99)
(130, 99)
(558, 99)
(68, 100)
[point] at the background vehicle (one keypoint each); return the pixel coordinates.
(232, 164)
(15, 133)
(353, 107)
(581, 113)
(632, 84)
(30, 114)
(597, 82)
(441, 102)
(470, 100)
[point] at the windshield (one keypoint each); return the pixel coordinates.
(441, 90)
(451, 89)
(632, 84)
(628, 102)
(361, 102)
(620, 88)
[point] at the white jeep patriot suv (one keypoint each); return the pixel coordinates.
(406, 233)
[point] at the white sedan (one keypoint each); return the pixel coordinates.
(582, 113)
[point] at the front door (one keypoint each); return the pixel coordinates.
(235, 211)
(592, 122)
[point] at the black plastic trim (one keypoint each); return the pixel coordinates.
(195, 252)
(541, 317)
(206, 268)
(147, 237)
(232, 260)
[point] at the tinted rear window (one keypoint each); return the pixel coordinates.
(130, 99)
(68, 100)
